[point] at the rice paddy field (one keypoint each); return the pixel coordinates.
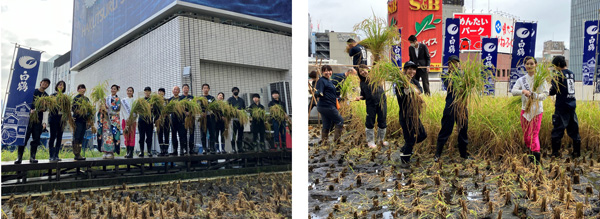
(248, 196)
(350, 180)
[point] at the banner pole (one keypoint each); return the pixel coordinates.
(9, 79)
(595, 82)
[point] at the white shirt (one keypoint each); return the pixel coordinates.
(540, 95)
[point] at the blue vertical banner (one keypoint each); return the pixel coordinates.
(489, 56)
(397, 51)
(597, 90)
(523, 42)
(590, 48)
(20, 96)
(451, 42)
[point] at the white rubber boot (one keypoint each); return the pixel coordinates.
(370, 133)
(381, 137)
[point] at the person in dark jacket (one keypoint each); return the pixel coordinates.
(449, 118)
(210, 124)
(413, 133)
(164, 129)
(278, 127)
(419, 54)
(191, 136)
(34, 129)
(178, 126)
(238, 129)
(376, 104)
(326, 106)
(56, 126)
(81, 122)
(357, 52)
(257, 126)
(146, 126)
(338, 78)
(220, 128)
(564, 115)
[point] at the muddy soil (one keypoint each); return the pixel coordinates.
(353, 181)
(251, 196)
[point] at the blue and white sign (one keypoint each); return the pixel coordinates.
(22, 87)
(523, 46)
(590, 35)
(489, 56)
(451, 42)
(397, 52)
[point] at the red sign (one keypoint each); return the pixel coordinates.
(422, 18)
(472, 28)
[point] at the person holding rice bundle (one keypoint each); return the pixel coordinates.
(257, 124)
(449, 118)
(412, 132)
(192, 130)
(146, 125)
(177, 126)
(376, 102)
(56, 126)
(108, 119)
(34, 128)
(278, 126)
(564, 115)
(129, 135)
(238, 129)
(532, 107)
(326, 106)
(164, 129)
(81, 120)
(208, 147)
(220, 128)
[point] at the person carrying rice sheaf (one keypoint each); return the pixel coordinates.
(376, 104)
(326, 106)
(34, 128)
(57, 126)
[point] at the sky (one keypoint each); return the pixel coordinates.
(39, 24)
(553, 16)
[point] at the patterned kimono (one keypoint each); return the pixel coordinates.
(109, 125)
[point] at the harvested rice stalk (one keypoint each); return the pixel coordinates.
(467, 85)
(64, 103)
(379, 36)
(544, 75)
(259, 115)
(99, 92)
(43, 104)
(276, 112)
(193, 109)
(142, 108)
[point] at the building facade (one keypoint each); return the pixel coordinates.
(45, 71)
(62, 72)
(581, 11)
(555, 48)
(332, 46)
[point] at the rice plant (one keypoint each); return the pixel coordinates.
(99, 92)
(544, 75)
(85, 109)
(64, 103)
(379, 36)
(277, 113)
(43, 104)
(192, 109)
(141, 108)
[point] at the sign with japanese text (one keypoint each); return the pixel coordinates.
(20, 96)
(451, 42)
(590, 36)
(472, 28)
(422, 18)
(523, 46)
(397, 52)
(503, 28)
(489, 56)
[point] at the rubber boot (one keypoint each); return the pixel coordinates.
(141, 154)
(370, 134)
(283, 146)
(33, 151)
(256, 146)
(381, 137)
(56, 151)
(556, 148)
(338, 134)
(149, 147)
(174, 153)
(324, 137)
(129, 152)
(223, 148)
(77, 152)
(576, 149)
(263, 146)
(184, 149)
(20, 151)
(538, 158)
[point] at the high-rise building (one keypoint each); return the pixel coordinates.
(332, 45)
(581, 11)
(555, 48)
(62, 72)
(45, 71)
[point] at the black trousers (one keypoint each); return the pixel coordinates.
(423, 75)
(330, 117)
(565, 120)
(376, 112)
(410, 134)
(192, 136)
(56, 134)
(146, 130)
(220, 131)
(34, 130)
(79, 133)
(448, 121)
(178, 129)
(258, 131)
(237, 136)
(163, 132)
(210, 130)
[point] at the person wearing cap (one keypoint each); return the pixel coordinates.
(192, 130)
(178, 126)
(449, 118)
(357, 52)
(278, 127)
(34, 129)
(326, 106)
(164, 129)
(257, 127)
(565, 117)
(238, 129)
(413, 133)
(146, 125)
(419, 54)
(376, 104)
(210, 124)
(129, 135)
